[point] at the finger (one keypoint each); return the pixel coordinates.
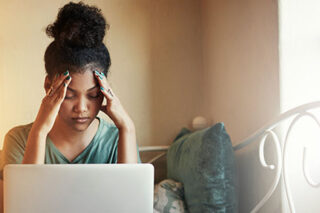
(104, 85)
(107, 93)
(50, 91)
(103, 82)
(99, 75)
(59, 80)
(62, 90)
(56, 77)
(103, 108)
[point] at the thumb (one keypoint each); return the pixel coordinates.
(103, 108)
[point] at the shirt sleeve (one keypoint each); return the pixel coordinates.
(115, 156)
(138, 154)
(13, 150)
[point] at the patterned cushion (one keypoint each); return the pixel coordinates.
(169, 197)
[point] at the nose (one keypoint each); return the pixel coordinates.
(81, 105)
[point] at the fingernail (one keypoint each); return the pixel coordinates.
(68, 78)
(57, 75)
(65, 84)
(66, 72)
(102, 88)
(96, 72)
(102, 73)
(100, 77)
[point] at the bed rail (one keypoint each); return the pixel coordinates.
(280, 149)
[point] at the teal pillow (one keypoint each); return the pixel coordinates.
(203, 161)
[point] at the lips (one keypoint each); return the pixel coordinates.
(81, 119)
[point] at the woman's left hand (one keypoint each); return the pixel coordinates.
(113, 108)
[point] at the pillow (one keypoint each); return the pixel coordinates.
(204, 162)
(169, 197)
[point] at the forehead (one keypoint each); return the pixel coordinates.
(82, 81)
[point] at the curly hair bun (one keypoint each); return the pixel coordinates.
(78, 25)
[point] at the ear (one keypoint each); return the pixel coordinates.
(47, 83)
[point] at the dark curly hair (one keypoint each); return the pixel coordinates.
(78, 36)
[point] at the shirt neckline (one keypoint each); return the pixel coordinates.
(81, 154)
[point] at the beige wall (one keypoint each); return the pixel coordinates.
(176, 79)
(241, 78)
(156, 62)
(240, 59)
(171, 61)
(22, 44)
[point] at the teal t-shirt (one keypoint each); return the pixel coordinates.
(102, 149)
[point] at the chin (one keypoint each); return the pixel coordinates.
(80, 127)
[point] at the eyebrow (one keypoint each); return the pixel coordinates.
(73, 90)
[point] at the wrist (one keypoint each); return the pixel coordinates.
(126, 127)
(38, 132)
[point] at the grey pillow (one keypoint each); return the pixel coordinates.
(204, 162)
(169, 197)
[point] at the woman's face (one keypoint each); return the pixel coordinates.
(82, 102)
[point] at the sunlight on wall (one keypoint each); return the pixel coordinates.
(299, 52)
(299, 83)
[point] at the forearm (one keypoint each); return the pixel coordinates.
(127, 145)
(1, 196)
(35, 148)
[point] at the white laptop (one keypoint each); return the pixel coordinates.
(63, 188)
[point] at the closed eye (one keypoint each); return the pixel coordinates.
(68, 97)
(95, 95)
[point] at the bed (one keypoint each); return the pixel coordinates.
(276, 167)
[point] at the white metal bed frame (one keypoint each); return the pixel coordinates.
(281, 151)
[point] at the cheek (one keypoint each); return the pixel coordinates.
(95, 104)
(98, 103)
(65, 106)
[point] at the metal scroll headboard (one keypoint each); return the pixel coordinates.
(280, 150)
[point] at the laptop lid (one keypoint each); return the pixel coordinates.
(78, 188)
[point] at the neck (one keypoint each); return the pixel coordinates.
(61, 133)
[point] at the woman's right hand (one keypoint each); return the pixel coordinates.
(51, 104)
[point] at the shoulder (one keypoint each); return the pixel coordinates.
(105, 126)
(107, 132)
(17, 137)
(20, 131)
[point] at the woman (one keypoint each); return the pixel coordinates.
(66, 129)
